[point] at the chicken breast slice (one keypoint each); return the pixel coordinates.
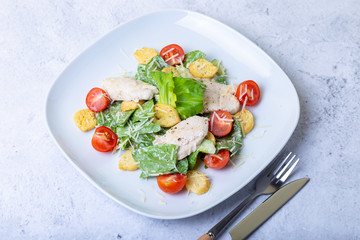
(128, 89)
(219, 96)
(187, 135)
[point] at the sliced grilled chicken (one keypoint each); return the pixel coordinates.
(128, 89)
(219, 96)
(187, 135)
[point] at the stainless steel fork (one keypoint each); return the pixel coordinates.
(267, 183)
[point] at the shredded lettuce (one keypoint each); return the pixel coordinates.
(165, 84)
(156, 160)
(192, 57)
(189, 94)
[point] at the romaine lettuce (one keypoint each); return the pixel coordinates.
(145, 71)
(193, 56)
(144, 112)
(165, 84)
(220, 75)
(189, 94)
(156, 160)
(231, 142)
(113, 117)
(206, 146)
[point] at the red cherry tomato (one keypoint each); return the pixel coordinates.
(171, 183)
(97, 100)
(248, 93)
(217, 161)
(221, 123)
(104, 139)
(172, 54)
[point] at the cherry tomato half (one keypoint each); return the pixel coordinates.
(248, 90)
(104, 139)
(171, 183)
(97, 100)
(217, 161)
(172, 54)
(221, 123)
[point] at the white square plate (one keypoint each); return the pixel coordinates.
(276, 115)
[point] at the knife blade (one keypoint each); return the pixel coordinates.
(265, 210)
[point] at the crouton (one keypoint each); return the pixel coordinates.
(202, 68)
(127, 162)
(130, 105)
(144, 55)
(85, 119)
(197, 182)
(211, 137)
(173, 70)
(246, 120)
(166, 115)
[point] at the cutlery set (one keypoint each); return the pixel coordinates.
(269, 182)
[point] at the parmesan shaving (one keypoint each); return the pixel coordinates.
(162, 202)
(161, 110)
(157, 193)
(123, 52)
(168, 51)
(263, 126)
(173, 56)
(243, 106)
(144, 196)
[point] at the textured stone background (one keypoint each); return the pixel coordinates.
(317, 43)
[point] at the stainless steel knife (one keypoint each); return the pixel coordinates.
(266, 209)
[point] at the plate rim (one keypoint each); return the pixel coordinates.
(230, 194)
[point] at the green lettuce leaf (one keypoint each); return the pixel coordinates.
(182, 166)
(146, 111)
(133, 130)
(165, 84)
(113, 117)
(206, 146)
(220, 75)
(144, 71)
(193, 56)
(184, 72)
(189, 94)
(141, 74)
(144, 140)
(231, 142)
(156, 160)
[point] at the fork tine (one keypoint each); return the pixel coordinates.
(284, 166)
(281, 163)
(278, 163)
(288, 172)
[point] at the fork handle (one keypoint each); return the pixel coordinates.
(214, 232)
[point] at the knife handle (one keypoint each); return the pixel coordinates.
(205, 237)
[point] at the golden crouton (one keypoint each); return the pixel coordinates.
(130, 105)
(246, 120)
(85, 119)
(166, 115)
(144, 55)
(173, 70)
(127, 162)
(202, 68)
(211, 137)
(197, 182)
